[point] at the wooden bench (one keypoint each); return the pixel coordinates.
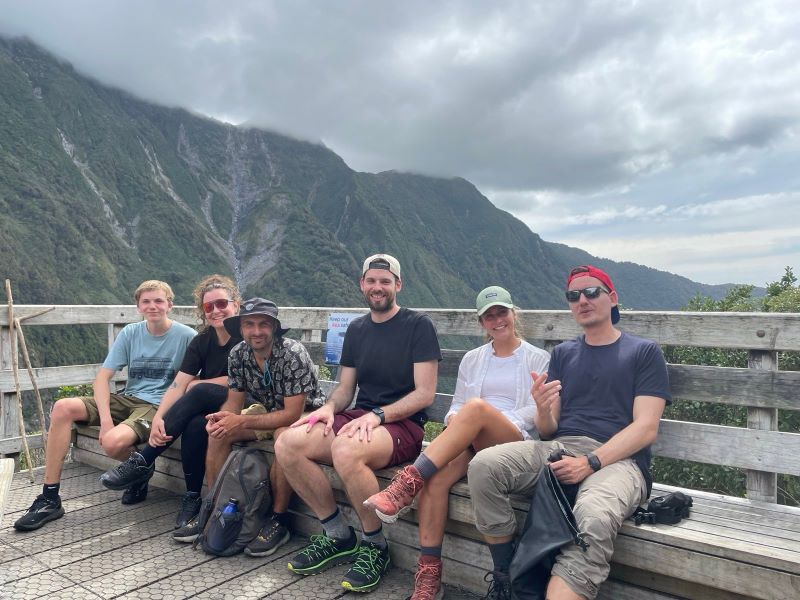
(729, 548)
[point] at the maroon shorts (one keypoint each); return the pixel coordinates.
(407, 435)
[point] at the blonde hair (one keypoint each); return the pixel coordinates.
(518, 332)
(207, 284)
(152, 285)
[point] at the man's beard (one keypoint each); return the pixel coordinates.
(382, 305)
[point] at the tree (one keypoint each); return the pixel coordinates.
(781, 296)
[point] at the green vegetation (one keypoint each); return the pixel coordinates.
(781, 296)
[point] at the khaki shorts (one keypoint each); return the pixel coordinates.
(128, 410)
(258, 409)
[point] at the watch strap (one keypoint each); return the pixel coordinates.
(594, 462)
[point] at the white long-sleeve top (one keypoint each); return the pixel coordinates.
(472, 371)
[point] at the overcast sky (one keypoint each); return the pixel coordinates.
(664, 133)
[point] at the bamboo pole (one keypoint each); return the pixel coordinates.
(26, 357)
(15, 368)
(38, 313)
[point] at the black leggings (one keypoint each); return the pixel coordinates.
(187, 417)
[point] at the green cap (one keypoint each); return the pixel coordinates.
(493, 296)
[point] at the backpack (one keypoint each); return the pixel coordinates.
(245, 478)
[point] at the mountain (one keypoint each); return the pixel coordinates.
(100, 190)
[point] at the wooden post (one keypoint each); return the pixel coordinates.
(8, 405)
(15, 368)
(761, 485)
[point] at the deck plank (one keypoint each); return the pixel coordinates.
(101, 549)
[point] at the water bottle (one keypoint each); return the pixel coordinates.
(231, 507)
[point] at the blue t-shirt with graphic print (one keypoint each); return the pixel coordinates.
(152, 361)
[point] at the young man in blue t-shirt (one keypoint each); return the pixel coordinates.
(602, 402)
(152, 350)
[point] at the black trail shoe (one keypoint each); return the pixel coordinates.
(499, 586)
(323, 552)
(271, 537)
(372, 561)
(190, 507)
(135, 494)
(188, 533)
(43, 510)
(129, 473)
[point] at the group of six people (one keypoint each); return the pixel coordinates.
(599, 398)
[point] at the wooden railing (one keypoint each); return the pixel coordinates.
(762, 387)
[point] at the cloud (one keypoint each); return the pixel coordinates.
(570, 114)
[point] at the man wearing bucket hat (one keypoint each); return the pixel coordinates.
(392, 354)
(277, 375)
(601, 402)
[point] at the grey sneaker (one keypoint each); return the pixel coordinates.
(188, 533)
(271, 537)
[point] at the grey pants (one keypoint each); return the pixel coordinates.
(605, 499)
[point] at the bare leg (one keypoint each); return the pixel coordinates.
(65, 412)
(120, 441)
(479, 424)
(432, 502)
(557, 589)
(220, 448)
(281, 488)
(356, 461)
(298, 453)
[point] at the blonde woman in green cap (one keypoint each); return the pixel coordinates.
(492, 405)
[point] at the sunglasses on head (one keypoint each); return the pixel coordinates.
(220, 304)
(590, 292)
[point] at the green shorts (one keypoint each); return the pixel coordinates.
(129, 410)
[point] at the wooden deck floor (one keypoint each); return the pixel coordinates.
(102, 549)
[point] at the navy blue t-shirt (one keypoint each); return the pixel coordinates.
(599, 384)
(383, 355)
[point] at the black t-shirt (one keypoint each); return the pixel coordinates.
(599, 384)
(205, 358)
(383, 355)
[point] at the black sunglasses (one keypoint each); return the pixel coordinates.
(590, 292)
(220, 304)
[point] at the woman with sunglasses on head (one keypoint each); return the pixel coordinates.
(492, 405)
(200, 388)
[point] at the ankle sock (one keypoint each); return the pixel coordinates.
(502, 555)
(425, 466)
(435, 551)
(336, 526)
(150, 454)
(282, 518)
(50, 490)
(375, 537)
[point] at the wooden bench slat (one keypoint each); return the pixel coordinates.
(729, 446)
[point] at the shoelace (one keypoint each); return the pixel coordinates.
(188, 503)
(403, 487)
(498, 586)
(426, 580)
(317, 545)
(268, 530)
(38, 503)
(366, 559)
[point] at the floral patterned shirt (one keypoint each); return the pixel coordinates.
(290, 372)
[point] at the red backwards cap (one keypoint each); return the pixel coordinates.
(590, 271)
(602, 276)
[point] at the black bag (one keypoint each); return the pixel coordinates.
(244, 477)
(668, 509)
(549, 526)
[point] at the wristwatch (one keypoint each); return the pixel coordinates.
(379, 411)
(594, 462)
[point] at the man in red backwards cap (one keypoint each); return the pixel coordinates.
(601, 402)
